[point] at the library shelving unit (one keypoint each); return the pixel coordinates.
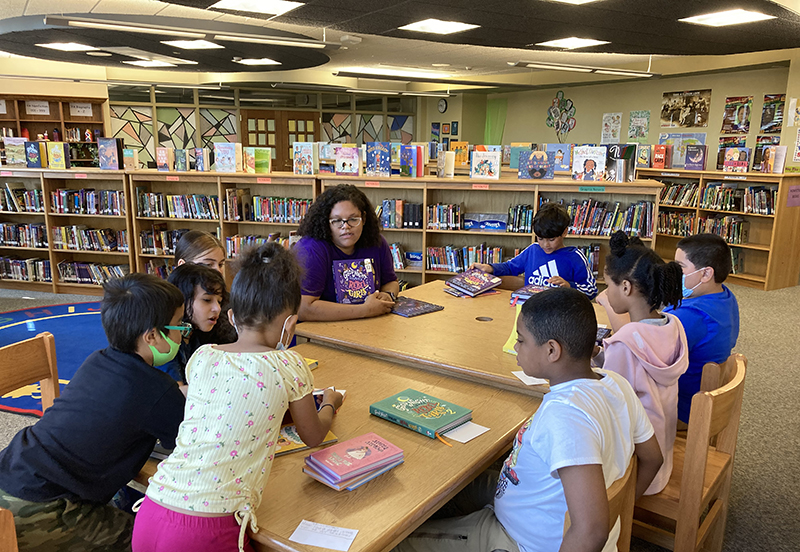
(489, 196)
(40, 114)
(770, 258)
(53, 182)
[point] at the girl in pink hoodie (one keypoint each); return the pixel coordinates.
(650, 351)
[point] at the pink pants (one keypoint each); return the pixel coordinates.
(157, 529)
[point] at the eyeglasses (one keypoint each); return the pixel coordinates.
(185, 328)
(352, 222)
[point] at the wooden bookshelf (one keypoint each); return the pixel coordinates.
(770, 258)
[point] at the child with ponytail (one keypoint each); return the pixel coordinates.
(650, 351)
(205, 494)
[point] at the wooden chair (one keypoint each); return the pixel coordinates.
(621, 497)
(8, 535)
(31, 361)
(690, 513)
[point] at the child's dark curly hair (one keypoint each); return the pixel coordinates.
(186, 278)
(657, 281)
(316, 223)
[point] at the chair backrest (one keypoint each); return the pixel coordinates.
(716, 375)
(28, 362)
(8, 534)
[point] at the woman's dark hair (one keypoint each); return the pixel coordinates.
(657, 281)
(550, 221)
(267, 283)
(316, 223)
(188, 276)
(194, 243)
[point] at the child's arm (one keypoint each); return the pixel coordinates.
(313, 426)
(616, 320)
(584, 280)
(587, 502)
(650, 460)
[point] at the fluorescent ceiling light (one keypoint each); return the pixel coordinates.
(98, 54)
(134, 29)
(729, 17)
(558, 67)
(376, 92)
(276, 41)
(581, 69)
(574, 2)
(572, 43)
(149, 63)
(192, 44)
(68, 46)
(388, 72)
(622, 73)
(426, 94)
(261, 61)
(270, 7)
(437, 26)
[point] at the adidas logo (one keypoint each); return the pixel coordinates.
(540, 276)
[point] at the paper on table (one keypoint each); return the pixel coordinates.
(324, 536)
(466, 432)
(528, 380)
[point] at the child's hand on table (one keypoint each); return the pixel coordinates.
(331, 396)
(375, 305)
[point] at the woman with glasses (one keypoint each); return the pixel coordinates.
(341, 225)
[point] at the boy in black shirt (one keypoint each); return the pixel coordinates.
(58, 475)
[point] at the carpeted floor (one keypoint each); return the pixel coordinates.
(765, 495)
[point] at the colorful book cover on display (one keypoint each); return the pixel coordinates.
(588, 163)
(562, 156)
(289, 440)
(408, 307)
(353, 280)
(228, 157)
(201, 160)
(304, 162)
(353, 483)
(181, 160)
(15, 152)
(473, 282)
(537, 165)
(524, 293)
(662, 156)
(758, 151)
(58, 155)
(165, 159)
(695, 157)
(263, 160)
(396, 152)
(109, 153)
(773, 159)
(408, 161)
(354, 457)
(461, 150)
(726, 142)
(249, 160)
(348, 161)
(516, 148)
(736, 160)
(379, 159)
(643, 155)
(421, 413)
(506, 154)
(772, 113)
(130, 159)
(486, 164)
(34, 157)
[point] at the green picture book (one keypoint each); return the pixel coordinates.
(421, 413)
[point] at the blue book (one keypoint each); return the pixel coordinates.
(379, 159)
(536, 165)
(562, 156)
(408, 161)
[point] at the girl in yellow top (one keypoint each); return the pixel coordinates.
(204, 495)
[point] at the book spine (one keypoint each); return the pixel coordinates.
(399, 421)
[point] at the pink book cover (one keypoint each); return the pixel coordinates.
(354, 457)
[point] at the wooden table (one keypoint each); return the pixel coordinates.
(390, 507)
(465, 339)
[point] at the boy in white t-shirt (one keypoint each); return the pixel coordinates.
(565, 457)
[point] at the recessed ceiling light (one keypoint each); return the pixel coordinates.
(574, 2)
(98, 54)
(572, 43)
(440, 65)
(730, 17)
(271, 7)
(261, 61)
(149, 63)
(67, 46)
(192, 44)
(437, 26)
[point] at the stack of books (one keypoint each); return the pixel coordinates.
(473, 282)
(350, 464)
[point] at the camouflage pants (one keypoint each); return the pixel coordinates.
(62, 525)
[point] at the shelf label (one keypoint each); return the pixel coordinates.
(793, 200)
(80, 109)
(81, 175)
(264, 180)
(592, 189)
(670, 174)
(734, 178)
(37, 107)
(3, 107)
(173, 178)
(6, 173)
(372, 184)
(480, 186)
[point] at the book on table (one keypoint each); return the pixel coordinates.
(422, 413)
(473, 282)
(408, 307)
(359, 457)
(526, 292)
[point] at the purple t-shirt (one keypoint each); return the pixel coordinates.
(317, 256)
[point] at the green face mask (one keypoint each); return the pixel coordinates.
(159, 358)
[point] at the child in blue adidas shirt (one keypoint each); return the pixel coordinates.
(547, 262)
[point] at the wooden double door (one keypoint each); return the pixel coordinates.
(279, 130)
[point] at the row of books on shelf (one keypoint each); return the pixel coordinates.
(26, 270)
(23, 235)
(46, 154)
(82, 238)
(520, 219)
(602, 218)
(398, 213)
(72, 272)
(241, 205)
(457, 259)
(234, 245)
(229, 157)
(160, 240)
(161, 205)
(732, 228)
(376, 158)
(679, 194)
(88, 201)
(724, 196)
(676, 224)
(768, 158)
(16, 198)
(445, 216)
(159, 267)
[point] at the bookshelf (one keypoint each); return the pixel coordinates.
(59, 113)
(489, 196)
(770, 258)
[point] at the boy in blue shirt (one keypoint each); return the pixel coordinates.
(709, 311)
(548, 263)
(58, 475)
